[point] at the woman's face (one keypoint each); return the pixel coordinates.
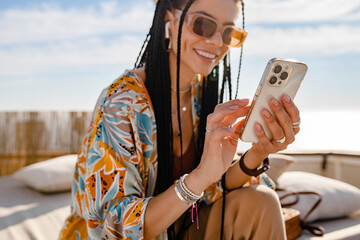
(200, 55)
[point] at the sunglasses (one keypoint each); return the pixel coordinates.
(206, 27)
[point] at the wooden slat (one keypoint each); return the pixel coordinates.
(29, 137)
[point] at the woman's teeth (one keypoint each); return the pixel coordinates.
(205, 54)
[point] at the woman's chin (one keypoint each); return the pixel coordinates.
(205, 71)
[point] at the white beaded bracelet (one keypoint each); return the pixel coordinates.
(187, 190)
(184, 193)
(188, 197)
(180, 196)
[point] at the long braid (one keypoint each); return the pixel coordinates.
(158, 86)
(226, 79)
(228, 74)
(141, 53)
(221, 100)
(242, 48)
(182, 18)
(209, 100)
(237, 89)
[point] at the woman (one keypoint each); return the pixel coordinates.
(156, 123)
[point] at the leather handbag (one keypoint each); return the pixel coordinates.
(293, 223)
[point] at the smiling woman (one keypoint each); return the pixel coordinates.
(162, 119)
(161, 140)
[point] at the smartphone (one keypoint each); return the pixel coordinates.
(281, 76)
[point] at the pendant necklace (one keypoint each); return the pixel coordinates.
(181, 91)
(184, 109)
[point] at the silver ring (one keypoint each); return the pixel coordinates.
(209, 131)
(296, 124)
(235, 139)
(281, 140)
(226, 125)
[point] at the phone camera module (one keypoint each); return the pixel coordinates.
(277, 69)
(273, 80)
(284, 75)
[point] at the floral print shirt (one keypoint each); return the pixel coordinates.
(117, 164)
(116, 170)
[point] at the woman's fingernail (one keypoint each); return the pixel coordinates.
(233, 107)
(244, 100)
(230, 130)
(275, 102)
(267, 114)
(287, 99)
(258, 127)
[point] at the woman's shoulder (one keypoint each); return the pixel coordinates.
(129, 81)
(128, 91)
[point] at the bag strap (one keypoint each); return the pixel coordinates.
(316, 230)
(289, 193)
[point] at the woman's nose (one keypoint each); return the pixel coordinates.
(216, 40)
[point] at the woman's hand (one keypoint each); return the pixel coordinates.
(283, 130)
(220, 146)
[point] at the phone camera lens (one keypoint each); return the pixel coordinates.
(277, 69)
(273, 80)
(284, 75)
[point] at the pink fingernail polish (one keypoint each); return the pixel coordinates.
(275, 102)
(258, 127)
(230, 130)
(287, 99)
(267, 114)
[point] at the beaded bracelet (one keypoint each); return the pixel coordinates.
(188, 197)
(187, 190)
(177, 191)
(184, 193)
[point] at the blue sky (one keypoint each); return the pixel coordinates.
(59, 55)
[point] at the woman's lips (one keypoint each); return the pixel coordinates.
(207, 56)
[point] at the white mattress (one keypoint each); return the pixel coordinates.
(341, 228)
(27, 214)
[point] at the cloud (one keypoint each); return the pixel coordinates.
(49, 23)
(301, 11)
(47, 38)
(94, 51)
(319, 40)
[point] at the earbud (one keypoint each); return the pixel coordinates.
(167, 26)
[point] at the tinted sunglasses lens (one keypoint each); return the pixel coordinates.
(204, 27)
(233, 37)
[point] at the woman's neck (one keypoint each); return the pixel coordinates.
(186, 75)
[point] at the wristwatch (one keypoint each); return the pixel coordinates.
(254, 172)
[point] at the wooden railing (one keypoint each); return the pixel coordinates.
(29, 137)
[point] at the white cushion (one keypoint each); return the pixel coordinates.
(338, 198)
(278, 164)
(52, 175)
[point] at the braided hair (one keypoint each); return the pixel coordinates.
(154, 56)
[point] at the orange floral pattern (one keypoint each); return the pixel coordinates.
(115, 174)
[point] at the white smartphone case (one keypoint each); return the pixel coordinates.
(281, 76)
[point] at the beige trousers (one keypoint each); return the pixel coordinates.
(251, 213)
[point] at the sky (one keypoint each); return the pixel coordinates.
(60, 54)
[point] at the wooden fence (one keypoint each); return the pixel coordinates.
(29, 137)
